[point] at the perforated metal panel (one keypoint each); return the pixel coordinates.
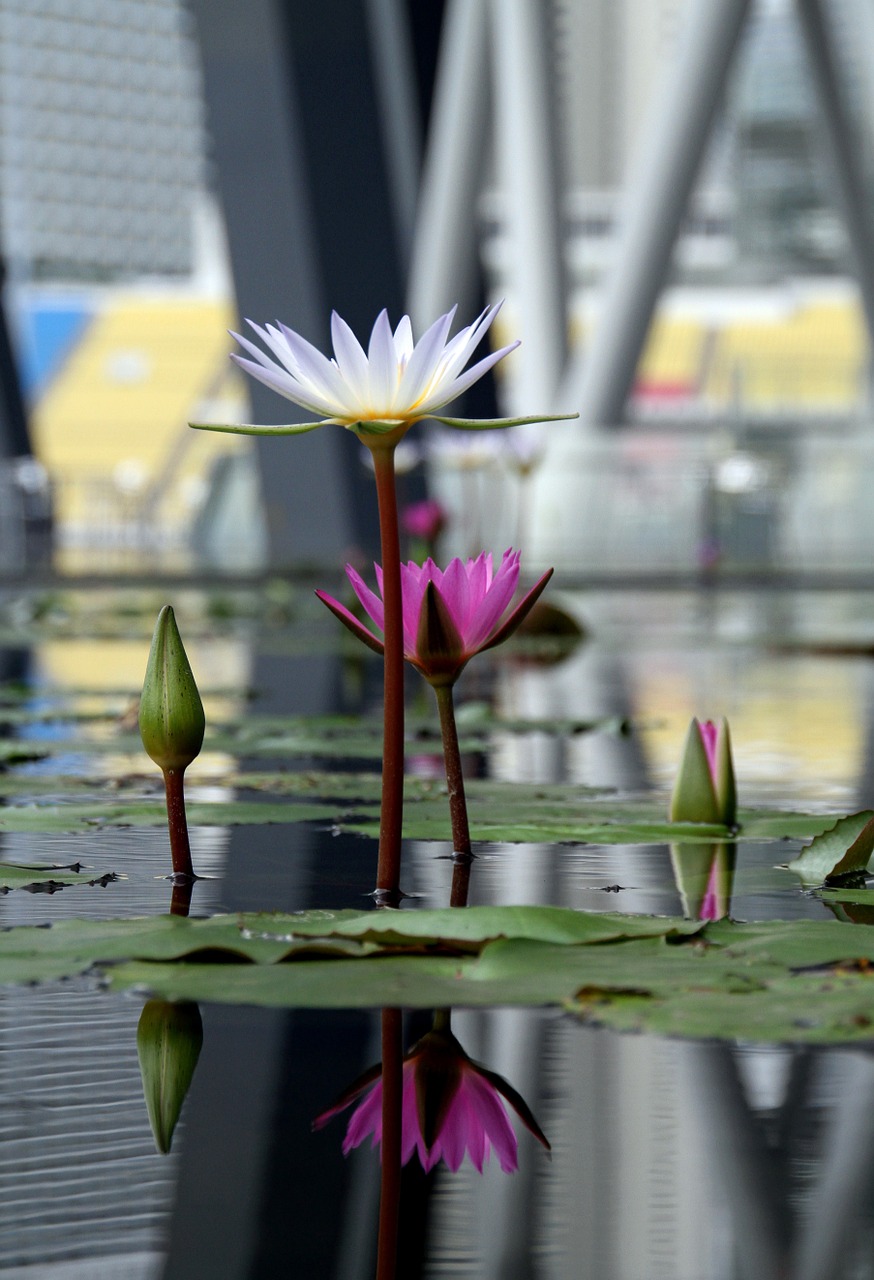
(101, 140)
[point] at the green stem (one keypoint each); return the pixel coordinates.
(462, 852)
(177, 825)
(388, 871)
(392, 1128)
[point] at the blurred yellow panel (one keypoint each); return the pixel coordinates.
(118, 410)
(672, 355)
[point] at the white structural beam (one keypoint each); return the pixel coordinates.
(530, 184)
(655, 200)
(443, 264)
(840, 136)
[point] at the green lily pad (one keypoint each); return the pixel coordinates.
(786, 981)
(79, 817)
(843, 849)
(809, 981)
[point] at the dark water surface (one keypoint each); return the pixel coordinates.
(670, 1159)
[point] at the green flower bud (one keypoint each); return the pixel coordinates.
(171, 713)
(169, 1039)
(705, 787)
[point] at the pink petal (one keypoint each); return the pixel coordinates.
(479, 572)
(710, 903)
(492, 1116)
(455, 590)
(456, 1132)
(411, 1137)
(413, 584)
(496, 600)
(709, 737)
(365, 1119)
(368, 598)
(349, 620)
(519, 614)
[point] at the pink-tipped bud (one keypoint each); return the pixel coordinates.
(705, 788)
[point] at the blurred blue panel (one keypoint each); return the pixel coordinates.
(47, 334)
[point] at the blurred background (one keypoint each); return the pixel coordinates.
(672, 196)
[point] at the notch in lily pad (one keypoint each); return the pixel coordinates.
(172, 725)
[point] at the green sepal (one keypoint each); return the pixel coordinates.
(726, 787)
(252, 429)
(694, 798)
(439, 647)
(494, 424)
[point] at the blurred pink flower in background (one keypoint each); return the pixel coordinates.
(425, 520)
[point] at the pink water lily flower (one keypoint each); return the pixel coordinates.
(451, 1107)
(449, 615)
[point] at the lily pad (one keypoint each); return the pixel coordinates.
(843, 849)
(795, 981)
(787, 981)
(84, 817)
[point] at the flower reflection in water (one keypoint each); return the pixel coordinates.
(452, 1106)
(704, 876)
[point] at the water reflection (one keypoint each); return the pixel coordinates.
(691, 1161)
(452, 1106)
(704, 875)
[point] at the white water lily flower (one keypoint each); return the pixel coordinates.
(384, 390)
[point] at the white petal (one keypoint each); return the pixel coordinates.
(383, 365)
(351, 358)
(283, 382)
(445, 392)
(425, 361)
(272, 338)
(403, 340)
(317, 370)
(458, 353)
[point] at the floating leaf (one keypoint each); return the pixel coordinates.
(789, 981)
(810, 981)
(843, 849)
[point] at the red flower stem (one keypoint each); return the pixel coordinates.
(461, 847)
(180, 849)
(180, 897)
(388, 870)
(390, 1177)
